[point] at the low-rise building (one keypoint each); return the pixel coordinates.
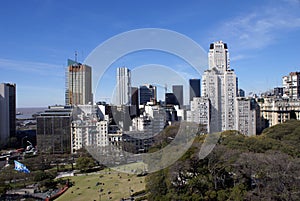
(279, 110)
(54, 130)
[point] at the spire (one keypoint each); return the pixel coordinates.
(75, 56)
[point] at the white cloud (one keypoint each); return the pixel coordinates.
(261, 27)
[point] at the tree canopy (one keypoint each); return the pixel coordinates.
(264, 167)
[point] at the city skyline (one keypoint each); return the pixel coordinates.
(39, 37)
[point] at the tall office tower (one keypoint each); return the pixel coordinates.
(291, 85)
(219, 84)
(78, 84)
(171, 99)
(147, 93)
(178, 92)
(194, 88)
(241, 93)
(134, 110)
(7, 112)
(123, 90)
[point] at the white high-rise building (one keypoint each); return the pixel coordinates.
(87, 133)
(246, 116)
(211, 89)
(219, 84)
(86, 129)
(123, 90)
(218, 57)
(102, 134)
(200, 113)
(228, 107)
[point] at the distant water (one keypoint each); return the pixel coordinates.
(29, 111)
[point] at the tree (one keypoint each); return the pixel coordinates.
(156, 185)
(84, 163)
(40, 176)
(269, 176)
(264, 167)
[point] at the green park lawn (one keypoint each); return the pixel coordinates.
(113, 185)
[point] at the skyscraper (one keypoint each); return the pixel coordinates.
(134, 109)
(178, 92)
(123, 90)
(171, 99)
(241, 93)
(219, 84)
(147, 93)
(78, 84)
(218, 57)
(194, 88)
(7, 112)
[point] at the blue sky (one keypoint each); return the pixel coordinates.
(37, 38)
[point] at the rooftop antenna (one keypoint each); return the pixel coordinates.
(166, 88)
(76, 56)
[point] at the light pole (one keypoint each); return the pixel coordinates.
(130, 192)
(30, 147)
(29, 142)
(100, 194)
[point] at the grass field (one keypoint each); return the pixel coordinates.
(132, 168)
(112, 185)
